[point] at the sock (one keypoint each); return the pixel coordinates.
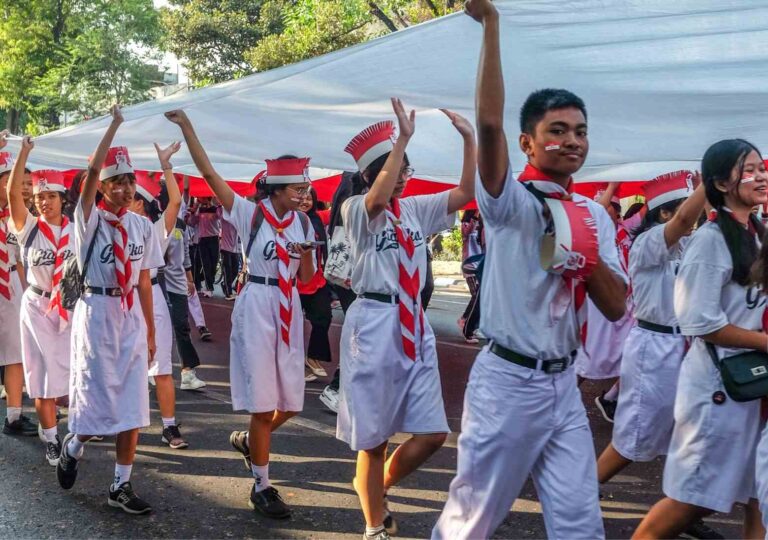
(373, 531)
(50, 434)
(76, 447)
(167, 422)
(613, 393)
(261, 476)
(13, 414)
(122, 475)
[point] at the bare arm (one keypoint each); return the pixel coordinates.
(145, 297)
(686, 216)
(174, 196)
(306, 267)
(733, 336)
(378, 197)
(607, 291)
(463, 194)
(16, 204)
(605, 198)
(186, 188)
(217, 184)
(493, 154)
(91, 181)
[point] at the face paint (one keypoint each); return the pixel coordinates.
(297, 201)
(747, 180)
(551, 147)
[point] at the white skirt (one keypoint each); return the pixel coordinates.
(108, 391)
(384, 392)
(711, 461)
(44, 349)
(265, 374)
(645, 413)
(761, 475)
(161, 365)
(600, 355)
(10, 333)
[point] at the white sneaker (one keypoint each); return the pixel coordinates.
(330, 399)
(189, 380)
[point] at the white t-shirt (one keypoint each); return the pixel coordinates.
(14, 252)
(517, 294)
(162, 238)
(374, 248)
(652, 270)
(143, 247)
(41, 255)
(706, 299)
(262, 260)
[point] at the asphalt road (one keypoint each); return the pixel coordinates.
(202, 492)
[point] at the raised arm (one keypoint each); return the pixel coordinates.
(91, 182)
(687, 215)
(16, 203)
(463, 194)
(174, 195)
(378, 197)
(493, 155)
(217, 184)
(605, 198)
(186, 188)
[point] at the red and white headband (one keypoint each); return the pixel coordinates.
(48, 180)
(6, 162)
(667, 188)
(372, 143)
(147, 186)
(287, 171)
(117, 162)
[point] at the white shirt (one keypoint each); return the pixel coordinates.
(706, 299)
(40, 258)
(517, 294)
(162, 238)
(373, 244)
(143, 247)
(652, 270)
(262, 259)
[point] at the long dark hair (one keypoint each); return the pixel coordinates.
(317, 224)
(717, 165)
(152, 209)
(653, 217)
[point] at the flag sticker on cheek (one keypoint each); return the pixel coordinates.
(747, 180)
(551, 146)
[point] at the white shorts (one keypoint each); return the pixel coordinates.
(162, 363)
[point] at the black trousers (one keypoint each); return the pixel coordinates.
(209, 257)
(230, 266)
(346, 297)
(472, 312)
(429, 286)
(317, 309)
(197, 267)
(180, 321)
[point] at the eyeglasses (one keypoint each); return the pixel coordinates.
(407, 172)
(300, 191)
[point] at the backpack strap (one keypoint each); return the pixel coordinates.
(256, 221)
(88, 254)
(31, 236)
(305, 224)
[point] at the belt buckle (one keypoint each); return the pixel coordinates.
(115, 292)
(555, 366)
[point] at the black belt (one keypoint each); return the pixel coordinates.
(154, 281)
(40, 292)
(380, 297)
(105, 291)
(660, 328)
(558, 365)
(261, 280)
(12, 268)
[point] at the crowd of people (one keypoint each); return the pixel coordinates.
(97, 280)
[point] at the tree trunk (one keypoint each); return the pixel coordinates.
(431, 5)
(12, 121)
(379, 14)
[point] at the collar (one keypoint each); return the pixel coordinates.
(542, 182)
(103, 207)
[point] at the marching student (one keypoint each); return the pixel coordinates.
(390, 380)
(11, 290)
(523, 412)
(718, 302)
(206, 218)
(230, 260)
(654, 349)
(161, 369)
(267, 340)
(113, 327)
(46, 243)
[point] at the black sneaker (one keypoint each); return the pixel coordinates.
(172, 437)
(22, 426)
(205, 334)
(699, 529)
(269, 503)
(53, 452)
(390, 525)
(124, 497)
(606, 407)
(381, 535)
(66, 469)
(239, 441)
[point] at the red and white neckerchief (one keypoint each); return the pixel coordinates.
(5, 266)
(60, 246)
(573, 290)
(123, 271)
(283, 271)
(409, 283)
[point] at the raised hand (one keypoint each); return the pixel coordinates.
(117, 114)
(480, 10)
(462, 125)
(177, 116)
(27, 143)
(3, 138)
(406, 121)
(164, 154)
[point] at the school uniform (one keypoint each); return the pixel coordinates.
(108, 377)
(383, 390)
(711, 460)
(162, 362)
(517, 420)
(761, 475)
(266, 373)
(10, 304)
(45, 334)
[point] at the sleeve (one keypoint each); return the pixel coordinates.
(356, 222)
(162, 234)
(193, 219)
(187, 258)
(241, 215)
(650, 249)
(606, 236)
(432, 212)
(310, 237)
(84, 230)
(23, 234)
(325, 216)
(153, 255)
(698, 289)
(513, 201)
